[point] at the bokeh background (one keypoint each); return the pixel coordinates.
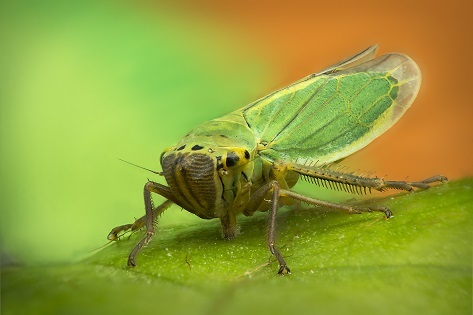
(85, 84)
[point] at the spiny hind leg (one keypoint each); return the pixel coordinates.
(327, 177)
(409, 186)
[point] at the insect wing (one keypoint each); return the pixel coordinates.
(361, 57)
(331, 115)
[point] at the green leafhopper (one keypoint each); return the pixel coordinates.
(234, 164)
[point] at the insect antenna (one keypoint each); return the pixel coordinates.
(100, 247)
(147, 169)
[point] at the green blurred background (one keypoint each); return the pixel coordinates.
(85, 84)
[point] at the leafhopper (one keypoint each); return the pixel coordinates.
(250, 159)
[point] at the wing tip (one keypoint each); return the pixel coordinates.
(409, 78)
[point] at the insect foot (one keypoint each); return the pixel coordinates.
(118, 232)
(143, 242)
(131, 262)
(387, 213)
(284, 270)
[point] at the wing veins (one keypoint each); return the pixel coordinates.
(301, 109)
(308, 119)
(355, 123)
(273, 117)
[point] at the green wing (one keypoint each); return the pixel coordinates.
(336, 112)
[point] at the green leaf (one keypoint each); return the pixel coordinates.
(417, 262)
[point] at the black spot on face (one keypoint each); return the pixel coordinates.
(247, 154)
(232, 159)
(181, 147)
(223, 136)
(197, 147)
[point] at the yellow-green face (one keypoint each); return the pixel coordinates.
(199, 174)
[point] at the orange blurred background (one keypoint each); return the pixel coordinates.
(436, 135)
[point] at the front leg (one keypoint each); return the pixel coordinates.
(117, 232)
(255, 200)
(148, 220)
(229, 226)
(149, 187)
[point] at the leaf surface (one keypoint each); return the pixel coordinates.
(419, 261)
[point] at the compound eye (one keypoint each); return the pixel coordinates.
(166, 151)
(232, 159)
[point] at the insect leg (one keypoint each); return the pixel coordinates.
(229, 226)
(335, 206)
(149, 217)
(324, 176)
(255, 200)
(283, 268)
(119, 231)
(409, 186)
(258, 197)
